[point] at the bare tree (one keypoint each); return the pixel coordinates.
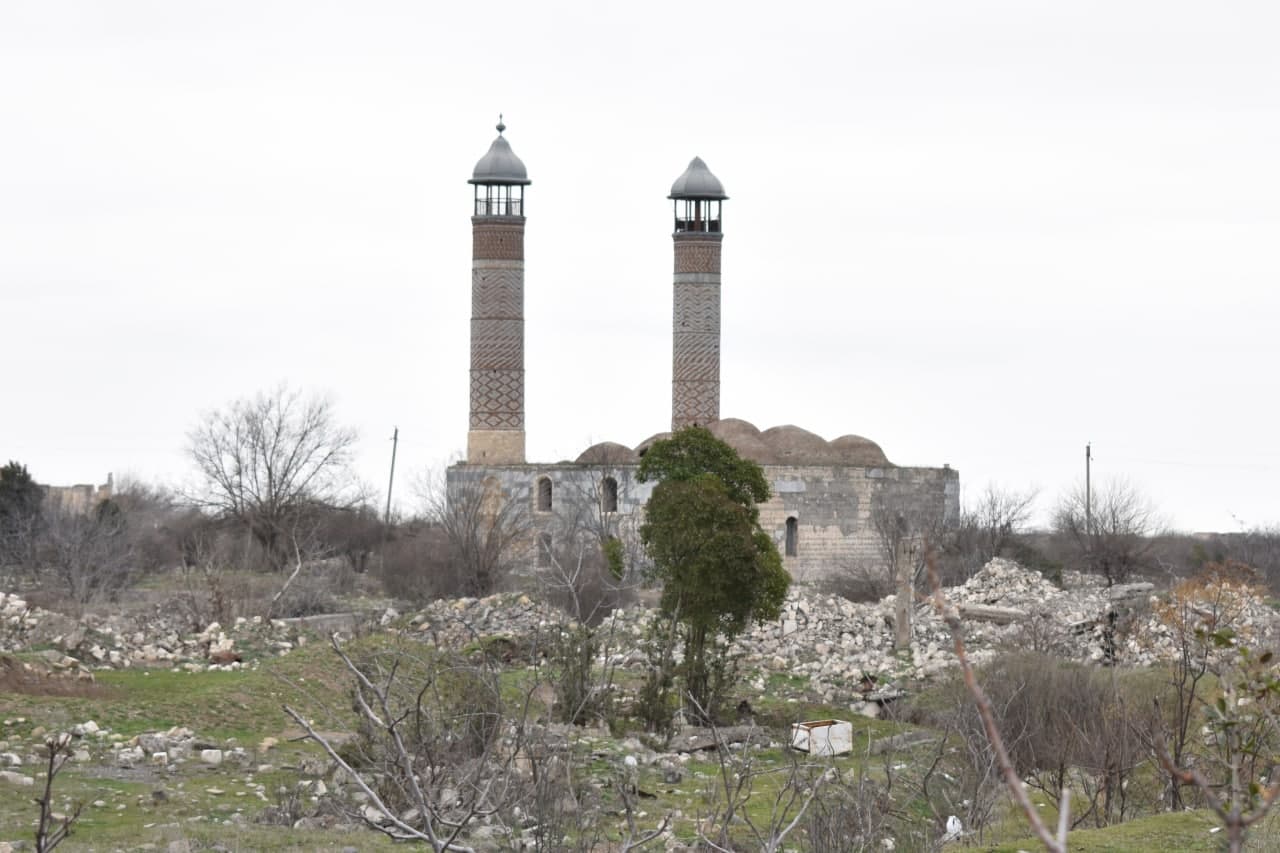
(1244, 728)
(52, 829)
(1054, 841)
(992, 520)
(486, 528)
(266, 461)
(431, 728)
(444, 744)
(1110, 533)
(592, 562)
(354, 532)
(91, 556)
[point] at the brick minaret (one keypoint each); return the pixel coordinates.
(496, 434)
(695, 343)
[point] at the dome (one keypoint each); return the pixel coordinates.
(607, 453)
(743, 437)
(500, 165)
(795, 446)
(856, 450)
(780, 445)
(644, 446)
(791, 445)
(697, 182)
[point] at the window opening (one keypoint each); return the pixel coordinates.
(609, 495)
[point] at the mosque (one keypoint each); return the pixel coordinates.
(825, 493)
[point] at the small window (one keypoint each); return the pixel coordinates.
(544, 550)
(544, 494)
(609, 495)
(793, 536)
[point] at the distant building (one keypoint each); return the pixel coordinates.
(79, 498)
(825, 492)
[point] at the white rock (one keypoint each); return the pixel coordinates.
(212, 757)
(18, 779)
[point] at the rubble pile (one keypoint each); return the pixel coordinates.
(837, 643)
(831, 641)
(152, 637)
(460, 621)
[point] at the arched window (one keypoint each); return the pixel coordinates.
(544, 550)
(793, 536)
(544, 494)
(609, 495)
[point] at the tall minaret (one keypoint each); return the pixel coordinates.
(496, 434)
(695, 343)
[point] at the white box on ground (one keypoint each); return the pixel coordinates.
(822, 737)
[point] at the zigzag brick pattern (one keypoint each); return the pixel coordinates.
(497, 325)
(695, 321)
(497, 344)
(698, 254)
(497, 292)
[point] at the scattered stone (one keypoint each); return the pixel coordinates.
(906, 740)
(13, 778)
(212, 757)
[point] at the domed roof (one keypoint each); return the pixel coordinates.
(648, 442)
(500, 165)
(742, 437)
(697, 182)
(607, 453)
(859, 451)
(780, 445)
(792, 445)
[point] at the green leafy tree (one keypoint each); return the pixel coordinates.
(20, 500)
(694, 451)
(719, 570)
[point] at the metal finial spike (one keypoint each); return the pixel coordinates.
(501, 126)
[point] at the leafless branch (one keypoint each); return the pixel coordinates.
(51, 829)
(1054, 843)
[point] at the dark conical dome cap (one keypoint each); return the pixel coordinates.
(500, 165)
(698, 182)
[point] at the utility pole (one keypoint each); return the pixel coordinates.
(395, 442)
(1088, 494)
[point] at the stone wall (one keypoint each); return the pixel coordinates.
(832, 505)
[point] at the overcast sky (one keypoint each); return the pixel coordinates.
(978, 233)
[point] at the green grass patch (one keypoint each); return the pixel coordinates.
(1185, 832)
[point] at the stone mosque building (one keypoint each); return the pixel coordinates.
(825, 492)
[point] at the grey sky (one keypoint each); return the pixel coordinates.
(978, 233)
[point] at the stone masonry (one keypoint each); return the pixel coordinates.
(831, 505)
